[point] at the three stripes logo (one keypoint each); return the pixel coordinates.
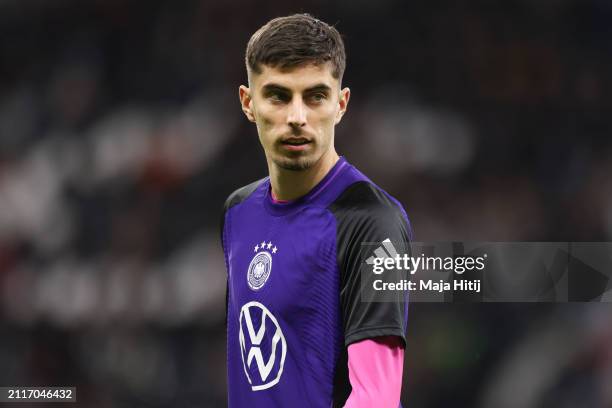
(380, 252)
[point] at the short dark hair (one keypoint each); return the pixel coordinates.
(291, 41)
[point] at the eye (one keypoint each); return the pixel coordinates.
(318, 97)
(277, 97)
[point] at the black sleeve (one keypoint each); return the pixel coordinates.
(365, 214)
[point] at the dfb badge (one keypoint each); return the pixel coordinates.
(261, 265)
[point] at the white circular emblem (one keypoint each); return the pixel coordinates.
(263, 346)
(259, 270)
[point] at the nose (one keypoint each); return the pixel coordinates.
(296, 117)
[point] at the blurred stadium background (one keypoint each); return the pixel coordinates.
(121, 135)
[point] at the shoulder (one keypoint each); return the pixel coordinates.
(366, 199)
(363, 206)
(237, 197)
(241, 194)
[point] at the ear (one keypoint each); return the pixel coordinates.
(343, 101)
(245, 100)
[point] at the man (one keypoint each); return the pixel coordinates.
(298, 333)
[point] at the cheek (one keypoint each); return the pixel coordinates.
(269, 118)
(326, 118)
(267, 126)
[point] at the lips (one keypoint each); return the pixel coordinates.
(295, 144)
(295, 141)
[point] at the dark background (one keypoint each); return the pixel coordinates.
(121, 135)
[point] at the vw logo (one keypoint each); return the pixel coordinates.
(263, 349)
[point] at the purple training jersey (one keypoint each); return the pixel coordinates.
(293, 300)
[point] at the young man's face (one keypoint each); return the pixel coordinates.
(295, 112)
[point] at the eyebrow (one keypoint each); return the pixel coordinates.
(319, 88)
(279, 88)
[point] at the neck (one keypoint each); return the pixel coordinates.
(290, 185)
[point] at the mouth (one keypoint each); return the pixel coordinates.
(295, 143)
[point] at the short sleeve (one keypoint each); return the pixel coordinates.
(366, 214)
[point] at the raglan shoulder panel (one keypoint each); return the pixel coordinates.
(237, 197)
(366, 214)
(241, 194)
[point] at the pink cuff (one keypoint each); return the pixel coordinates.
(375, 372)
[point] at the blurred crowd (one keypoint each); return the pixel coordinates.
(121, 136)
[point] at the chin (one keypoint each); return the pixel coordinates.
(295, 163)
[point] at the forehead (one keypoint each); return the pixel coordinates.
(296, 78)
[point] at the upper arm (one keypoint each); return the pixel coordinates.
(365, 214)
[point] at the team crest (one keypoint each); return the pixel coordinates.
(261, 265)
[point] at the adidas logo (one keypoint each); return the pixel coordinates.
(380, 252)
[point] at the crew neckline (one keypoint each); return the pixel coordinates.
(281, 208)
